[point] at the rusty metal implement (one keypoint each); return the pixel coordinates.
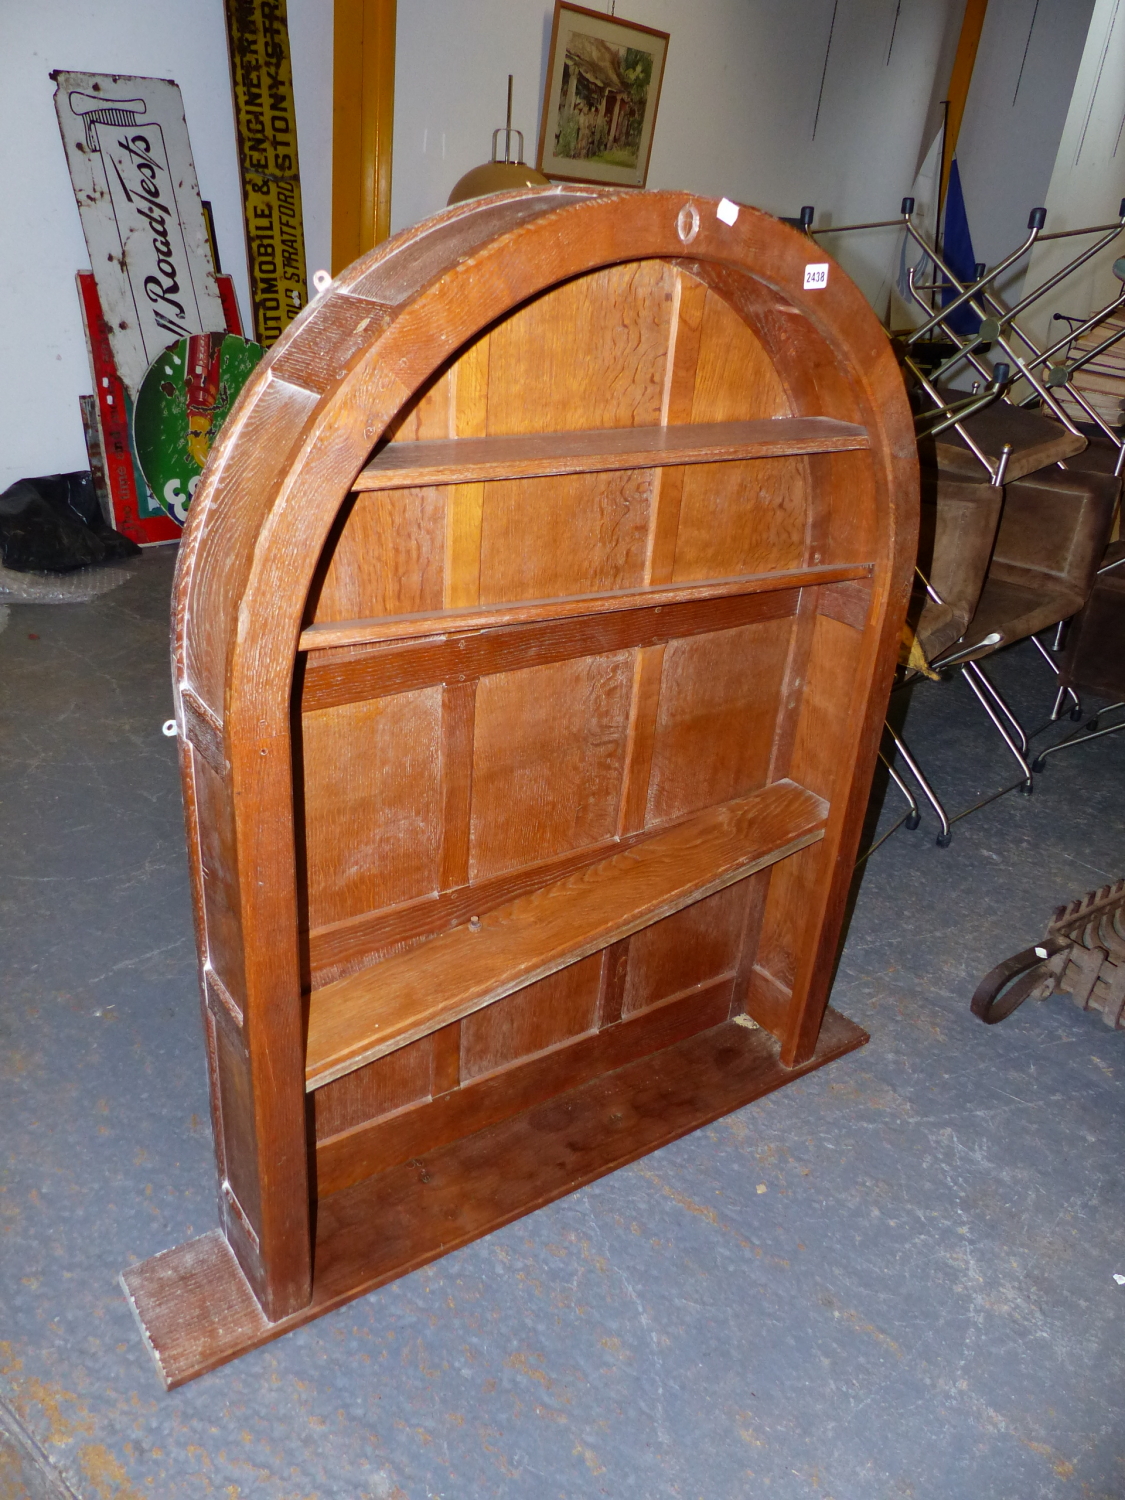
(1082, 955)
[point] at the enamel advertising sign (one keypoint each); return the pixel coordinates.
(266, 122)
(130, 162)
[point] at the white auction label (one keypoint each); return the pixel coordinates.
(727, 211)
(816, 277)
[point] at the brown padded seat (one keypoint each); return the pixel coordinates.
(1094, 655)
(958, 527)
(1052, 535)
(1036, 441)
(1099, 455)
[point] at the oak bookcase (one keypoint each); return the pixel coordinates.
(533, 628)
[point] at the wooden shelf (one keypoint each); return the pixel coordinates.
(381, 1008)
(337, 633)
(197, 1311)
(598, 450)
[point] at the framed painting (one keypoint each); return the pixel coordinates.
(603, 86)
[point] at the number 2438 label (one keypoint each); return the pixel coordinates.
(816, 277)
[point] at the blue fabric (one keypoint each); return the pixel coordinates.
(957, 247)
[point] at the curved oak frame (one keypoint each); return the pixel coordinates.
(296, 446)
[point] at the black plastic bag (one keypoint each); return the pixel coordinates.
(53, 524)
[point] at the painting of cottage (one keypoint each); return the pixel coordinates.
(602, 101)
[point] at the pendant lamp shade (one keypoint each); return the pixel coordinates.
(500, 174)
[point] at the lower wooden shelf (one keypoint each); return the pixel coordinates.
(196, 1310)
(354, 1020)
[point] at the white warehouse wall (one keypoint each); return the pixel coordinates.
(736, 112)
(736, 118)
(1022, 83)
(1088, 180)
(45, 367)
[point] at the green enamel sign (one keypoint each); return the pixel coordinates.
(181, 405)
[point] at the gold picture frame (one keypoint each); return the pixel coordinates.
(599, 107)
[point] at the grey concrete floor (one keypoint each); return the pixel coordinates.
(894, 1278)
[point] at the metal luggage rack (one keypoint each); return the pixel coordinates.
(1045, 372)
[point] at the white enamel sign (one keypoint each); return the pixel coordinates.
(130, 162)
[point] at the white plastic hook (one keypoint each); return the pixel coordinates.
(169, 728)
(322, 280)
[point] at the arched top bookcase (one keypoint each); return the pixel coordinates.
(533, 627)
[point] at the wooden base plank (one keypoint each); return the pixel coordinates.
(197, 1311)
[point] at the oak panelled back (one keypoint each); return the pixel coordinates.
(532, 631)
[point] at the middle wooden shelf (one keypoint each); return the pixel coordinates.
(366, 1015)
(333, 634)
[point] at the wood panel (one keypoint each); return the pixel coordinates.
(590, 352)
(548, 761)
(747, 517)
(847, 602)
(742, 518)
(429, 416)
(826, 703)
(802, 349)
(458, 721)
(344, 324)
(718, 701)
(387, 553)
(691, 948)
(786, 914)
(213, 828)
(825, 706)
(648, 669)
(842, 528)
(742, 697)
(418, 548)
(465, 502)
(381, 1088)
(557, 1009)
(203, 730)
(545, 538)
(369, 1014)
(615, 969)
(446, 1046)
(793, 684)
(386, 557)
(236, 1113)
(736, 379)
(689, 305)
(766, 1000)
(373, 816)
(757, 890)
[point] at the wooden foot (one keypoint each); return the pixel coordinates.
(197, 1311)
